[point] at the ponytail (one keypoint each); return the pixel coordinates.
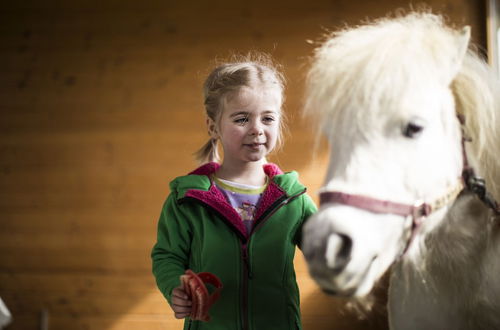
(208, 153)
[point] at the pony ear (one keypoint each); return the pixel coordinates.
(462, 43)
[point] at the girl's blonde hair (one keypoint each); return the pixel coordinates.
(252, 70)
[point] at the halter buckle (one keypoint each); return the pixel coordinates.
(420, 210)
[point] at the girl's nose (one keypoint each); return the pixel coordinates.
(256, 129)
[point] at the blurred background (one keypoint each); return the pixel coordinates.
(101, 106)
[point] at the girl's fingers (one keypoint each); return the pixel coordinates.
(181, 304)
(179, 293)
(181, 315)
(176, 301)
(181, 309)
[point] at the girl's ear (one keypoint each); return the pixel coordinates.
(212, 129)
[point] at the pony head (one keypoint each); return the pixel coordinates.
(387, 95)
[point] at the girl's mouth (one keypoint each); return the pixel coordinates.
(254, 145)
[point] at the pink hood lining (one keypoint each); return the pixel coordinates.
(210, 168)
(215, 198)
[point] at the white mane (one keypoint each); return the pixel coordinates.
(477, 97)
(375, 65)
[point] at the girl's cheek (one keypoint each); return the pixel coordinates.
(239, 131)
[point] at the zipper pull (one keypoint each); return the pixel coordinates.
(246, 260)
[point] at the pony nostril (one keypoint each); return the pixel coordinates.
(338, 251)
(329, 292)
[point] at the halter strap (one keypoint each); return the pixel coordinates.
(375, 205)
(477, 186)
(417, 211)
(472, 182)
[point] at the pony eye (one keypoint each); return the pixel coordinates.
(413, 129)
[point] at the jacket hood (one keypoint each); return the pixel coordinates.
(199, 179)
(198, 185)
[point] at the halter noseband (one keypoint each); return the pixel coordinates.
(419, 210)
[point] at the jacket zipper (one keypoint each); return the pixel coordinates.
(247, 270)
(279, 203)
(246, 275)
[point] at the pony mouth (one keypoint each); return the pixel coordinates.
(338, 293)
(360, 283)
(347, 283)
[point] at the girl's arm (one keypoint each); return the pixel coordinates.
(170, 254)
(308, 209)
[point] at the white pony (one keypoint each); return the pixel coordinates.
(408, 110)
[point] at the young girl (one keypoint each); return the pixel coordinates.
(239, 219)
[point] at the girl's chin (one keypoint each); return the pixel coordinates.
(256, 157)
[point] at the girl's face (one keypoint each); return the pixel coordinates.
(249, 125)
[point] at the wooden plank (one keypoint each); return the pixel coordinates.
(112, 322)
(84, 304)
(66, 222)
(77, 260)
(76, 282)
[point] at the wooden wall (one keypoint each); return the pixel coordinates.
(100, 106)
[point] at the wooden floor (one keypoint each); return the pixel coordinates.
(100, 107)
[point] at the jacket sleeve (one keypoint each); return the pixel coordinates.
(308, 209)
(170, 254)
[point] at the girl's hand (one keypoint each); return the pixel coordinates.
(181, 304)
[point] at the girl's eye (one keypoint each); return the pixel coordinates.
(241, 121)
(268, 119)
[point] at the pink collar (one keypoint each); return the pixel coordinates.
(215, 199)
(209, 168)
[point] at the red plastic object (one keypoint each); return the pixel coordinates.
(194, 286)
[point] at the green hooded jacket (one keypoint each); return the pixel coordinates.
(199, 230)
